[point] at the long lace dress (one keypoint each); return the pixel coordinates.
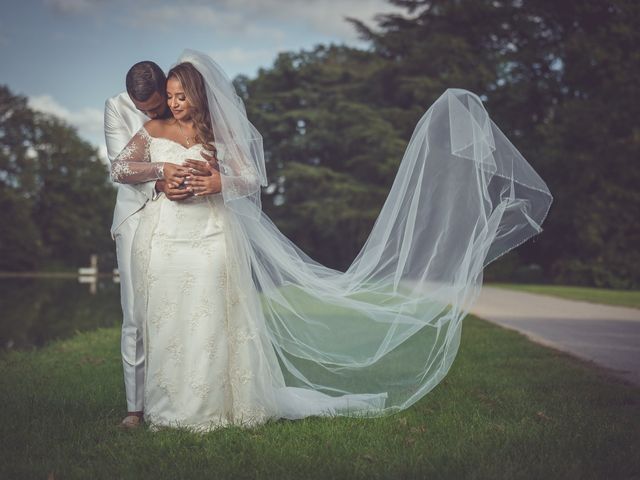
(209, 361)
(206, 364)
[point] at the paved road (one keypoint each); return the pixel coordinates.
(607, 335)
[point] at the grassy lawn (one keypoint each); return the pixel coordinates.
(507, 409)
(620, 298)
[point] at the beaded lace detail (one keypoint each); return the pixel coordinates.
(133, 164)
(208, 360)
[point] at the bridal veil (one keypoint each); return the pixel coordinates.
(377, 337)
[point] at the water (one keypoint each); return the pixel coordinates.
(35, 311)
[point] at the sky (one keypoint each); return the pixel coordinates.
(68, 56)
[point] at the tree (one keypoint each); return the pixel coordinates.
(331, 155)
(56, 195)
(559, 78)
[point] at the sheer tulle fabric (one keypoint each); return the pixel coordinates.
(390, 325)
(209, 361)
(376, 338)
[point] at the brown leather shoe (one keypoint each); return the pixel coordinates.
(131, 421)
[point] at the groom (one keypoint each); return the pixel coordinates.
(124, 114)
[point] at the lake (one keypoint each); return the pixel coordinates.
(36, 311)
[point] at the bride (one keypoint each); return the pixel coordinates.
(242, 327)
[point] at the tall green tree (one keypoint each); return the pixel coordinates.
(591, 137)
(557, 77)
(331, 155)
(21, 245)
(56, 194)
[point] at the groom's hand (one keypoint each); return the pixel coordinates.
(172, 193)
(206, 183)
(212, 160)
(198, 167)
(176, 194)
(160, 186)
(204, 178)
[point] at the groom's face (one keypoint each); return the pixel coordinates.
(154, 107)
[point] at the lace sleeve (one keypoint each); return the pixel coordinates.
(239, 179)
(133, 164)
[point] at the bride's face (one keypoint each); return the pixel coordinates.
(177, 100)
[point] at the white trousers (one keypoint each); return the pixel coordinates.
(131, 344)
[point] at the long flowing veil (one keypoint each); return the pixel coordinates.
(386, 331)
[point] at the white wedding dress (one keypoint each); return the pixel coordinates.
(208, 363)
(242, 326)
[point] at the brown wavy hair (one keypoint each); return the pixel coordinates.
(195, 91)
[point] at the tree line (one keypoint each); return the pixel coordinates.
(559, 78)
(55, 194)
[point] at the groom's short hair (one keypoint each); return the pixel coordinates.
(144, 79)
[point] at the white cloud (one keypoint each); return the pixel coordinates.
(102, 148)
(88, 121)
(324, 16)
(72, 6)
(251, 18)
(4, 37)
(239, 16)
(227, 21)
(237, 58)
(171, 15)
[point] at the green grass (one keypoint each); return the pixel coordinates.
(620, 298)
(507, 409)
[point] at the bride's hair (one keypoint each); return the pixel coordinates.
(194, 89)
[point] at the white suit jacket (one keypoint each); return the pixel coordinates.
(121, 121)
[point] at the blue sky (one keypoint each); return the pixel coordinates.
(68, 56)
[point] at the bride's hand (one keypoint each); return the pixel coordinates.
(174, 174)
